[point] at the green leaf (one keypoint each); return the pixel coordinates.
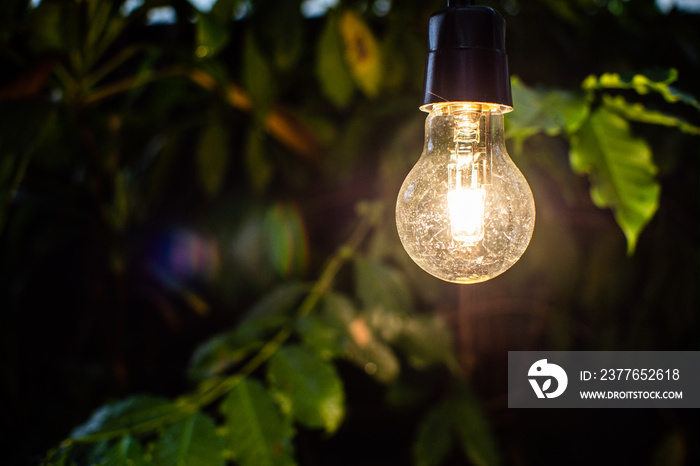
(642, 85)
(401, 49)
(385, 298)
(283, 300)
(552, 112)
(638, 112)
(212, 158)
(331, 69)
(58, 457)
(103, 27)
(280, 31)
(124, 415)
(372, 355)
(425, 340)
(326, 330)
(96, 452)
(307, 388)
(270, 314)
(434, 440)
(98, 16)
(54, 26)
(128, 450)
(190, 441)
(378, 286)
(620, 169)
(257, 77)
(473, 432)
(457, 419)
(362, 53)
(223, 10)
(321, 336)
(220, 353)
(336, 329)
(256, 161)
(212, 36)
(256, 432)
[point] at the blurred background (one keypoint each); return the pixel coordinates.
(168, 165)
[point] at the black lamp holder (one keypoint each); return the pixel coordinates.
(467, 59)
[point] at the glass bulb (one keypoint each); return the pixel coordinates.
(465, 213)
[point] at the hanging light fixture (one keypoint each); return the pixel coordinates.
(465, 213)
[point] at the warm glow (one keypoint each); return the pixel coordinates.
(466, 214)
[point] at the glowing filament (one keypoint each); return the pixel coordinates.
(466, 207)
(468, 173)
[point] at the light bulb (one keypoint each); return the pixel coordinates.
(465, 213)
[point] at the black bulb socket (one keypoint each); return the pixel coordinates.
(467, 59)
